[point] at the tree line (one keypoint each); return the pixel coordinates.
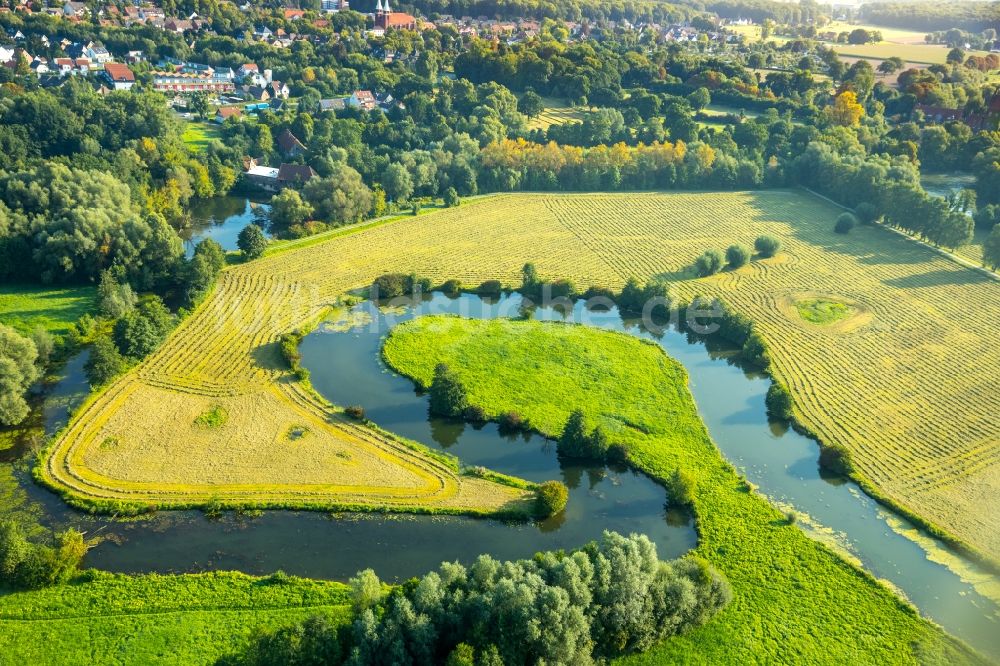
(610, 598)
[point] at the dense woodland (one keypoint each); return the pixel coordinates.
(94, 187)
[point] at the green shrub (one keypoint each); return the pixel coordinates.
(767, 246)
(552, 498)
(755, 351)
(356, 412)
(394, 285)
(452, 287)
(575, 442)
(447, 393)
(251, 242)
(511, 422)
(451, 198)
(866, 213)
(834, 459)
(845, 222)
(490, 288)
(737, 256)
(474, 414)
(681, 488)
(779, 401)
(708, 263)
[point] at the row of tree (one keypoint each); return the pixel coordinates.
(609, 598)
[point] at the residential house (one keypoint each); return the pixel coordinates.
(97, 53)
(226, 112)
(362, 99)
(335, 104)
(77, 9)
(294, 174)
(256, 93)
(182, 82)
(294, 14)
(290, 145)
(135, 56)
(179, 26)
(266, 178)
(278, 89)
(119, 76)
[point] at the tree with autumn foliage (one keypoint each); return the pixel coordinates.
(845, 110)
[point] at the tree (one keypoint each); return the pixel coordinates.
(681, 488)
(45, 344)
(845, 110)
(397, 182)
(955, 56)
(114, 299)
(288, 209)
(737, 256)
(779, 401)
(552, 498)
(530, 104)
(104, 363)
(991, 249)
(859, 36)
(890, 65)
(987, 217)
(251, 242)
(17, 373)
(451, 198)
(530, 282)
(699, 99)
(447, 393)
(140, 332)
(708, 263)
(845, 222)
(866, 213)
(340, 198)
(767, 246)
(366, 590)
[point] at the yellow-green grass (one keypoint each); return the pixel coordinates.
(896, 35)
(923, 54)
(822, 310)
(197, 135)
(56, 309)
(555, 113)
(925, 437)
(152, 619)
(795, 601)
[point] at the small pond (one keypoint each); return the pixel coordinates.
(222, 219)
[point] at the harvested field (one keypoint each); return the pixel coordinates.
(926, 436)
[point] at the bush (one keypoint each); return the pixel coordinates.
(490, 288)
(755, 351)
(599, 292)
(451, 197)
(767, 246)
(618, 453)
(562, 289)
(634, 297)
(552, 498)
(866, 213)
(394, 285)
(452, 287)
(447, 393)
(356, 412)
(708, 263)
(511, 422)
(737, 256)
(28, 565)
(681, 488)
(251, 242)
(779, 401)
(845, 222)
(574, 442)
(834, 459)
(415, 208)
(474, 414)
(104, 363)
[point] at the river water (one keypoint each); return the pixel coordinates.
(346, 368)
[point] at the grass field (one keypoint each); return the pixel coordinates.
(924, 355)
(794, 600)
(191, 619)
(56, 309)
(555, 113)
(197, 135)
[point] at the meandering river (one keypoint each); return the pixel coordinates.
(346, 367)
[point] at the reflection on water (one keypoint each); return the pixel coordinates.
(222, 219)
(346, 368)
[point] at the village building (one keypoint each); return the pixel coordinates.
(226, 112)
(290, 145)
(119, 76)
(386, 19)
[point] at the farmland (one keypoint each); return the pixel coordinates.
(795, 605)
(923, 355)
